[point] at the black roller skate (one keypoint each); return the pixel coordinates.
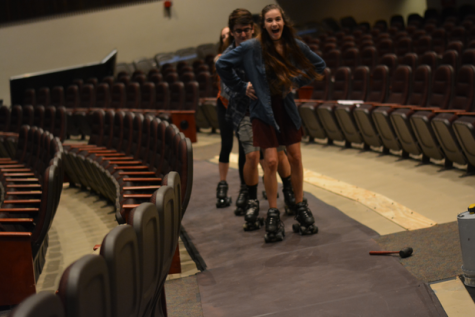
(222, 195)
(289, 199)
(275, 230)
(241, 201)
(253, 221)
(306, 221)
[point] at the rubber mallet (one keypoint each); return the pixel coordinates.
(404, 253)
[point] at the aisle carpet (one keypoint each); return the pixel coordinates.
(328, 274)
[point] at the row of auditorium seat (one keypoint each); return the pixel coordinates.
(127, 278)
(31, 188)
(12, 119)
(127, 156)
(427, 113)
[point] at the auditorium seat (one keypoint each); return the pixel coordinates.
(378, 92)
(162, 94)
(434, 130)
(351, 58)
(391, 61)
(148, 93)
(43, 97)
(410, 59)
(332, 59)
(117, 96)
(424, 44)
(344, 113)
(385, 46)
(369, 57)
(42, 304)
(205, 84)
(39, 116)
(403, 46)
(439, 40)
(429, 59)
(133, 97)
(455, 45)
(57, 96)
(468, 57)
(84, 288)
(450, 57)
(191, 96)
(29, 97)
(103, 96)
(177, 95)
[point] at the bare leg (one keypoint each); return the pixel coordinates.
(284, 165)
(295, 160)
(251, 173)
(270, 179)
(223, 171)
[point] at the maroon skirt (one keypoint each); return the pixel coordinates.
(266, 136)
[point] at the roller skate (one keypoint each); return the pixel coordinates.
(253, 221)
(275, 230)
(289, 200)
(241, 201)
(306, 222)
(222, 195)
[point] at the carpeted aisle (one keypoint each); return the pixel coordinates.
(328, 274)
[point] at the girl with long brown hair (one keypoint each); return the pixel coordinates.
(275, 63)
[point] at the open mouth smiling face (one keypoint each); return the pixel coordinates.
(274, 24)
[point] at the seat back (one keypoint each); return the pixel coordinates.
(117, 131)
(185, 170)
(16, 118)
(157, 145)
(205, 84)
(108, 128)
(60, 124)
(103, 96)
(147, 90)
(451, 57)
(379, 85)
(442, 87)
(121, 253)
(43, 97)
(192, 95)
(29, 97)
(22, 143)
(133, 96)
(439, 40)
(143, 146)
(400, 85)
(385, 46)
(28, 115)
(177, 95)
(137, 135)
(360, 83)
(424, 44)
(162, 93)
(118, 96)
(173, 180)
(410, 59)
(50, 113)
(351, 58)
(72, 97)
(127, 134)
(468, 57)
(463, 98)
(369, 57)
(39, 116)
(84, 288)
(146, 224)
(342, 83)
(42, 304)
(88, 96)
(391, 61)
(4, 118)
(332, 59)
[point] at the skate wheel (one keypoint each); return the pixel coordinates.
(266, 239)
(279, 237)
(314, 229)
(296, 228)
(239, 212)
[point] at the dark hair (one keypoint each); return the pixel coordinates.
(239, 16)
(282, 66)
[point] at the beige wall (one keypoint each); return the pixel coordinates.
(361, 10)
(136, 31)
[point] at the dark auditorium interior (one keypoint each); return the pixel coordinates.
(109, 147)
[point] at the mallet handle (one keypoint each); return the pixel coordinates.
(382, 252)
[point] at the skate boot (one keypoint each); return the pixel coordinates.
(289, 200)
(275, 230)
(253, 222)
(241, 201)
(222, 195)
(306, 222)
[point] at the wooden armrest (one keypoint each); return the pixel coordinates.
(78, 145)
(15, 170)
(125, 162)
(19, 209)
(142, 179)
(137, 195)
(131, 206)
(419, 108)
(92, 147)
(21, 180)
(24, 186)
(22, 201)
(18, 234)
(105, 156)
(141, 187)
(35, 192)
(19, 174)
(454, 111)
(101, 151)
(142, 167)
(16, 220)
(7, 162)
(136, 173)
(467, 114)
(9, 134)
(118, 160)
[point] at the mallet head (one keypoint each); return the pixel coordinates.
(406, 252)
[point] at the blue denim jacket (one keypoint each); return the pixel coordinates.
(248, 56)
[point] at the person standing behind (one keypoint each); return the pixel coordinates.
(275, 63)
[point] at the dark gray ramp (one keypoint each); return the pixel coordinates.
(328, 274)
